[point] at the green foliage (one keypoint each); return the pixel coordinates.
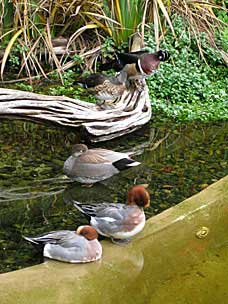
(122, 18)
(69, 88)
(78, 59)
(108, 48)
(222, 39)
(24, 87)
(6, 18)
(186, 87)
(14, 61)
(15, 56)
(222, 14)
(80, 25)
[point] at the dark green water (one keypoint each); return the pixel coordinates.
(177, 162)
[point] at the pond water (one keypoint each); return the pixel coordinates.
(177, 162)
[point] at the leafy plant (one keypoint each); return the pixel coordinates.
(108, 48)
(186, 88)
(24, 87)
(121, 18)
(128, 16)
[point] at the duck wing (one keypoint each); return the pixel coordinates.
(92, 80)
(53, 237)
(109, 219)
(91, 157)
(102, 210)
(98, 155)
(119, 160)
(109, 155)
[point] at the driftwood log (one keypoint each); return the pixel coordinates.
(129, 113)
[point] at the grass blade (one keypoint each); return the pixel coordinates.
(7, 51)
(166, 15)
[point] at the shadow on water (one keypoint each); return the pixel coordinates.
(177, 162)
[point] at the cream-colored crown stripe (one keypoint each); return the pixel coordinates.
(140, 68)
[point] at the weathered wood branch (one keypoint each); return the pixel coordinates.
(129, 113)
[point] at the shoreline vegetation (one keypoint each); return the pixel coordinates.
(52, 44)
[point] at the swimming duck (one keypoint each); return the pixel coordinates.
(105, 87)
(118, 221)
(88, 166)
(140, 64)
(80, 246)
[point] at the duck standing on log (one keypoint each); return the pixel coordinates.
(137, 65)
(104, 87)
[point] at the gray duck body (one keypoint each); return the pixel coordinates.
(68, 246)
(118, 221)
(89, 166)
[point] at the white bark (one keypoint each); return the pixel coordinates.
(101, 123)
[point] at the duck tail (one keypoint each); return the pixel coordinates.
(80, 82)
(30, 239)
(125, 163)
(39, 246)
(134, 164)
(78, 206)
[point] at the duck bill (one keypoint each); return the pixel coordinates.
(147, 205)
(145, 185)
(79, 229)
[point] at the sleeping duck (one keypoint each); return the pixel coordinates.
(80, 246)
(120, 222)
(89, 166)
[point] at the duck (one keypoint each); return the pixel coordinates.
(80, 246)
(89, 166)
(59, 45)
(104, 87)
(119, 222)
(140, 64)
